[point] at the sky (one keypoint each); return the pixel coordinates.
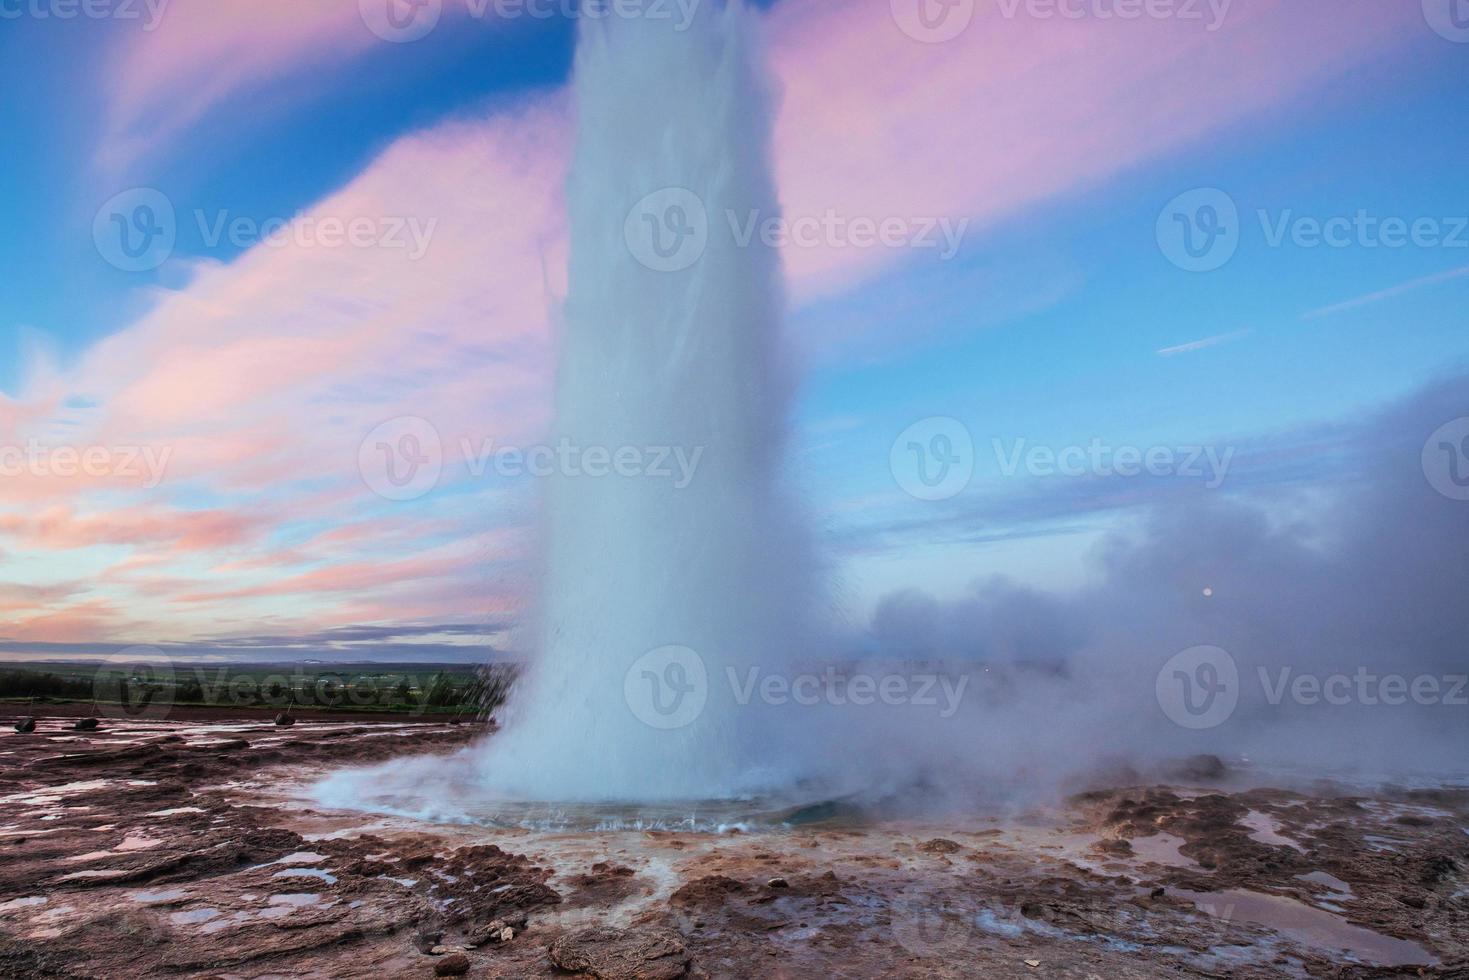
(1139, 254)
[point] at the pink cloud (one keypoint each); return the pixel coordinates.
(1012, 111)
(263, 376)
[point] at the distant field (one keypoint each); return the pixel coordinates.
(376, 687)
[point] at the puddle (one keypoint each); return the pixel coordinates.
(176, 810)
(405, 882)
(296, 900)
(1309, 926)
(299, 857)
(23, 903)
(1342, 889)
(52, 793)
(317, 873)
(193, 916)
(90, 856)
(1266, 830)
(1161, 848)
(137, 842)
(156, 897)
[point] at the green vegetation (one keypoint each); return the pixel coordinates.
(406, 688)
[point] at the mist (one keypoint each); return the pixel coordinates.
(1318, 591)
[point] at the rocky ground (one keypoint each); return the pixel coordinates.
(184, 849)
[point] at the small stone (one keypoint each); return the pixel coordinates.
(778, 883)
(454, 965)
(498, 931)
(1032, 963)
(939, 845)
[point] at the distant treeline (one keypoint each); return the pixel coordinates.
(30, 683)
(459, 690)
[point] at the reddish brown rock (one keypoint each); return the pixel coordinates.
(622, 954)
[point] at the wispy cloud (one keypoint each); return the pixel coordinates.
(1392, 292)
(1205, 343)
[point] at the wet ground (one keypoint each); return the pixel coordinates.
(188, 849)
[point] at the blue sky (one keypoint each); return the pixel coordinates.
(1046, 326)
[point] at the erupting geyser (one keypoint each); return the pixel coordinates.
(669, 345)
(669, 352)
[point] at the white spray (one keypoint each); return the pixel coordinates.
(669, 350)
